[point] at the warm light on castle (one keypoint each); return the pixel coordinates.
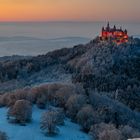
(117, 35)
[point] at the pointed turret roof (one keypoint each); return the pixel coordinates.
(108, 27)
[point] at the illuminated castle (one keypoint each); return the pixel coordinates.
(117, 35)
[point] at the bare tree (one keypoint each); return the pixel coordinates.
(48, 123)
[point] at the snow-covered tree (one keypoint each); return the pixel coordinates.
(48, 123)
(61, 96)
(104, 131)
(85, 117)
(74, 104)
(129, 132)
(113, 134)
(21, 112)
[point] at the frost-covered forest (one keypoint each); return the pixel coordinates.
(96, 85)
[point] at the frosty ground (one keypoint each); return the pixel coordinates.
(69, 131)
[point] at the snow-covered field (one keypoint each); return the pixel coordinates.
(69, 131)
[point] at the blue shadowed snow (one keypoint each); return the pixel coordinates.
(69, 131)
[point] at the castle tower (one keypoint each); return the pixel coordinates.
(103, 29)
(114, 28)
(125, 31)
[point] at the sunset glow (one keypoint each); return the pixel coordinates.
(61, 10)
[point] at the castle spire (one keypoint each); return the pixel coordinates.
(108, 26)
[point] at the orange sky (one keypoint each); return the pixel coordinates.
(57, 10)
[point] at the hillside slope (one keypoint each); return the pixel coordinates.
(104, 66)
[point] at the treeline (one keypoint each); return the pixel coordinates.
(21, 69)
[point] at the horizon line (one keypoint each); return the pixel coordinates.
(60, 21)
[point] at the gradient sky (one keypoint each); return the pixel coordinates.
(63, 10)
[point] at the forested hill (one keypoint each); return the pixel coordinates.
(96, 85)
(103, 66)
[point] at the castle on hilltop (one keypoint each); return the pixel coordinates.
(117, 35)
